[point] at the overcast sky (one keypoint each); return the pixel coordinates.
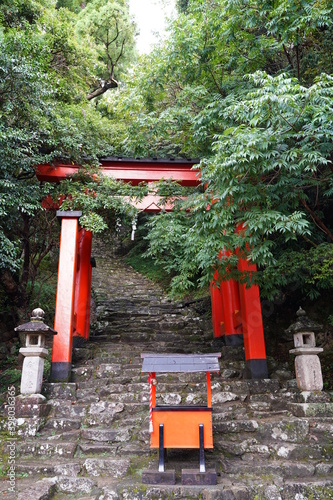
(150, 18)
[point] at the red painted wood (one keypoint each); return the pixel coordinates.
(152, 203)
(153, 391)
(217, 309)
(82, 282)
(64, 311)
(128, 171)
(87, 323)
(231, 307)
(253, 331)
(181, 428)
(231, 304)
(209, 390)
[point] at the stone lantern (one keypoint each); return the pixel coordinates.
(307, 364)
(34, 352)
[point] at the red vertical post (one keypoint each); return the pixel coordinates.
(209, 390)
(64, 311)
(217, 309)
(231, 310)
(87, 323)
(232, 313)
(82, 287)
(154, 390)
(226, 314)
(253, 331)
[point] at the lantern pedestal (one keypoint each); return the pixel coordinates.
(33, 369)
(308, 368)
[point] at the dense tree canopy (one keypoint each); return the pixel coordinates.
(245, 86)
(46, 72)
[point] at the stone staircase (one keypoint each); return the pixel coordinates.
(271, 441)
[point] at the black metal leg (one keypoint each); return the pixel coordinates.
(161, 449)
(202, 449)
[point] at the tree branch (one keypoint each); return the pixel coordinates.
(317, 220)
(110, 84)
(288, 56)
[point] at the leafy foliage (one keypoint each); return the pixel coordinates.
(246, 86)
(46, 71)
(240, 85)
(106, 25)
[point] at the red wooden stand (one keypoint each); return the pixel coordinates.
(180, 426)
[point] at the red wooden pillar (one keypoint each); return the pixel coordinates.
(226, 313)
(231, 311)
(87, 323)
(64, 311)
(82, 288)
(253, 331)
(217, 309)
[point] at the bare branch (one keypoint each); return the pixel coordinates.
(319, 223)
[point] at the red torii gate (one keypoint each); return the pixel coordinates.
(236, 310)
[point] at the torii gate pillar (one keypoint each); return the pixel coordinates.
(253, 330)
(217, 309)
(237, 317)
(64, 311)
(226, 309)
(82, 288)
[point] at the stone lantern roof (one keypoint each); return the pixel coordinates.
(36, 324)
(303, 324)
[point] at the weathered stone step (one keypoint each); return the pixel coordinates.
(286, 470)
(157, 320)
(311, 409)
(67, 467)
(67, 409)
(38, 448)
(247, 447)
(99, 434)
(62, 424)
(109, 387)
(134, 397)
(124, 374)
(238, 426)
(140, 313)
(61, 486)
(259, 414)
(95, 448)
(252, 387)
(102, 370)
(62, 391)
